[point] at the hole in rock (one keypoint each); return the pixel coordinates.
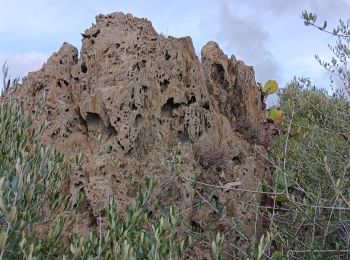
(56, 132)
(236, 160)
(196, 227)
(138, 120)
(96, 33)
(206, 105)
(111, 131)
(183, 136)
(93, 117)
(136, 66)
(75, 57)
(167, 55)
(218, 75)
(168, 107)
(164, 85)
(78, 184)
(83, 67)
(121, 146)
(192, 100)
(94, 122)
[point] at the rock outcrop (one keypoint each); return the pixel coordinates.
(136, 103)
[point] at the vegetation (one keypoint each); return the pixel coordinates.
(36, 215)
(6, 80)
(306, 205)
(310, 209)
(30, 179)
(339, 64)
(308, 200)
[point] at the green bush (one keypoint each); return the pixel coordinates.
(311, 208)
(30, 179)
(131, 239)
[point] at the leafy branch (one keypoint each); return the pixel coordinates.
(339, 64)
(311, 18)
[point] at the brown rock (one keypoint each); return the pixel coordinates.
(146, 103)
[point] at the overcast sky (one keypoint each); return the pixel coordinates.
(268, 34)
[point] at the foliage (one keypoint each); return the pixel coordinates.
(6, 80)
(339, 64)
(36, 215)
(308, 200)
(131, 239)
(30, 179)
(217, 245)
(311, 205)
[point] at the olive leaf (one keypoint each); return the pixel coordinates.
(3, 238)
(282, 180)
(281, 198)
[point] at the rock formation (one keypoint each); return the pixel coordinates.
(136, 104)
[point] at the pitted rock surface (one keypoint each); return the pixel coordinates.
(136, 103)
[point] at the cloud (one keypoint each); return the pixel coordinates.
(276, 6)
(266, 34)
(326, 8)
(22, 63)
(330, 9)
(248, 42)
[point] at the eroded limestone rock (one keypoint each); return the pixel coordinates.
(137, 104)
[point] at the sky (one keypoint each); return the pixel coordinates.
(267, 34)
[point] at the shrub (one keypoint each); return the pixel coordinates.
(131, 239)
(31, 177)
(311, 207)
